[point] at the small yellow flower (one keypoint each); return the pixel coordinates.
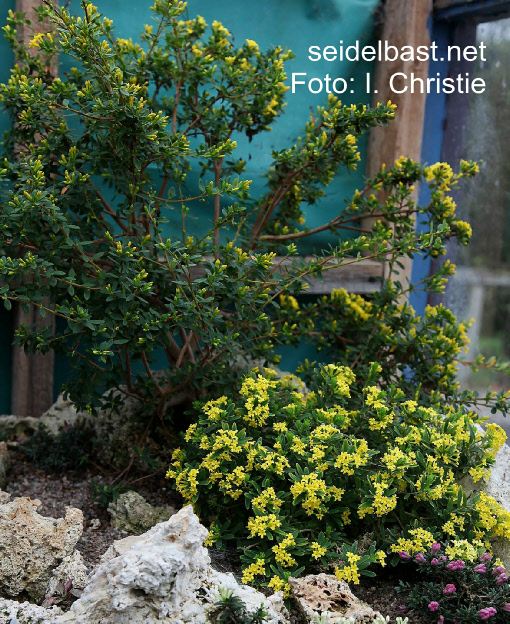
(36, 40)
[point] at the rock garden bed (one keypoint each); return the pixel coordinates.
(56, 491)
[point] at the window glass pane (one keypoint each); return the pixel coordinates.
(482, 287)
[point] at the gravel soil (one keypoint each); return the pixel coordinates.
(57, 491)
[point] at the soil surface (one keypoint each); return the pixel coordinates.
(57, 491)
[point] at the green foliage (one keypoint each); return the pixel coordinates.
(109, 168)
(70, 449)
(320, 479)
(467, 590)
(103, 495)
(230, 609)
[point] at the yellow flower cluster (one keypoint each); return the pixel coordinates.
(283, 557)
(259, 525)
(275, 462)
(396, 461)
(450, 527)
(288, 301)
(317, 550)
(267, 498)
(493, 518)
(186, 482)
(440, 170)
(339, 415)
(314, 490)
(383, 504)
(277, 584)
(253, 570)
(462, 549)
(340, 377)
(355, 304)
(256, 393)
(231, 482)
(349, 572)
(347, 461)
(213, 410)
(420, 541)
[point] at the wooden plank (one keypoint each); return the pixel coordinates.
(362, 277)
(32, 375)
(482, 277)
(405, 24)
(27, 7)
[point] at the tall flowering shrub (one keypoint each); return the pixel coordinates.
(107, 169)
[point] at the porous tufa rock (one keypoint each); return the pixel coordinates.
(32, 546)
(18, 427)
(72, 568)
(161, 577)
(13, 612)
(133, 514)
(318, 594)
(60, 415)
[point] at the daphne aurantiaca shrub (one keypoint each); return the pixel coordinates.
(304, 475)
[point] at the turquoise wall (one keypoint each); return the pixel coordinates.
(295, 24)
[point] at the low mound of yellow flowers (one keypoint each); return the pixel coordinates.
(295, 478)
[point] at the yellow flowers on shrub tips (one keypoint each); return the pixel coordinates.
(145, 126)
(302, 483)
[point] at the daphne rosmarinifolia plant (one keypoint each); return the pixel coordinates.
(338, 478)
(107, 169)
(458, 585)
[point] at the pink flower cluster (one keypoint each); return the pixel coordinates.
(502, 576)
(449, 589)
(485, 614)
(455, 565)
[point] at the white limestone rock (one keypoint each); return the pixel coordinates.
(72, 568)
(18, 427)
(60, 415)
(318, 594)
(13, 612)
(32, 546)
(161, 577)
